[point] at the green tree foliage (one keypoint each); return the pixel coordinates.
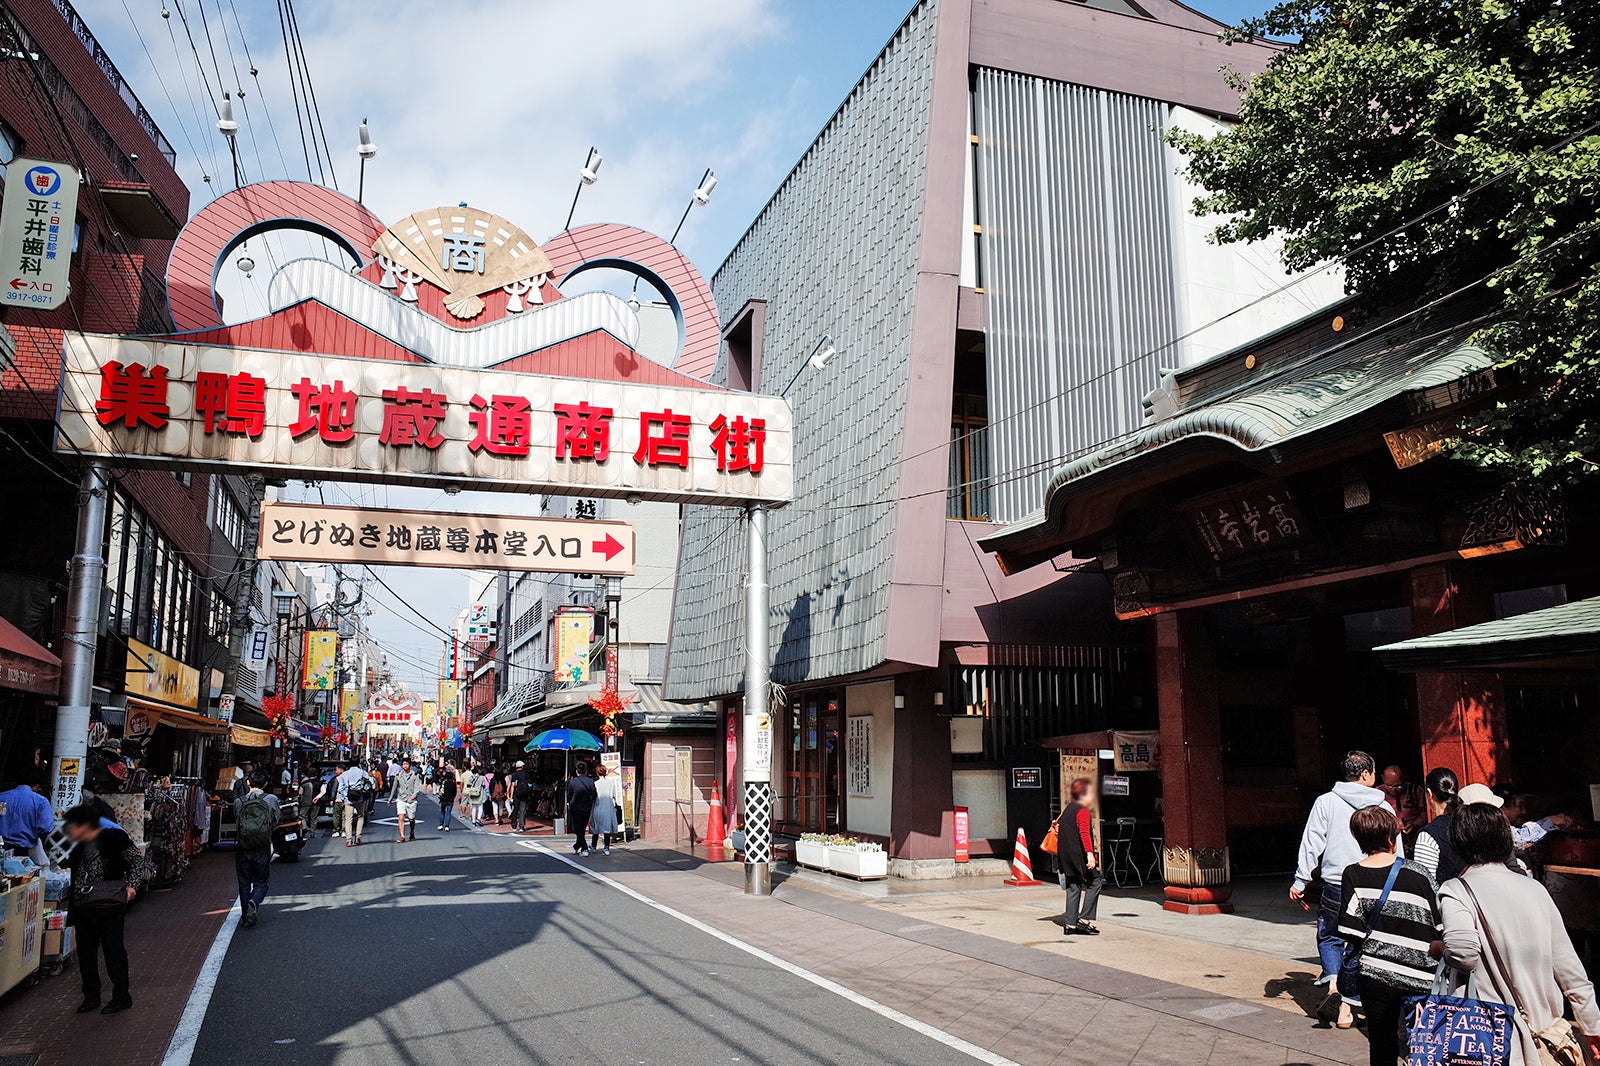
(1478, 123)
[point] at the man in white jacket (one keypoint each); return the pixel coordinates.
(1328, 846)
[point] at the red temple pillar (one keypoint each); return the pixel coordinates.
(1195, 835)
(1461, 715)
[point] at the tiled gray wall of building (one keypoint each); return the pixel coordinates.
(834, 252)
(1077, 254)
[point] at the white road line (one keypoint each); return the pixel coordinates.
(181, 1049)
(939, 1035)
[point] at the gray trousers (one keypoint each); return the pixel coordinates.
(1083, 898)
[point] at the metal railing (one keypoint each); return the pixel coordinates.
(81, 31)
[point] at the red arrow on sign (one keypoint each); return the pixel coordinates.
(608, 547)
(18, 283)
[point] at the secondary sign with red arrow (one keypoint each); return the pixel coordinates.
(314, 533)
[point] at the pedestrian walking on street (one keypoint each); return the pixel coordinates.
(107, 872)
(580, 806)
(604, 820)
(1390, 921)
(473, 791)
(1327, 847)
(1434, 852)
(357, 792)
(498, 797)
(257, 813)
(407, 787)
(1080, 866)
(520, 796)
(1504, 929)
(447, 787)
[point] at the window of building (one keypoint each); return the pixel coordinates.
(970, 471)
(227, 517)
(153, 590)
(10, 145)
(744, 336)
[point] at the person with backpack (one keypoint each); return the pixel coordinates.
(257, 813)
(473, 790)
(1326, 848)
(357, 791)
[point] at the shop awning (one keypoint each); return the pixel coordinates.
(1556, 638)
(653, 713)
(245, 737)
(25, 664)
(305, 733)
(161, 714)
(514, 728)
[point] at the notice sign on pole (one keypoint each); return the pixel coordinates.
(36, 222)
(306, 532)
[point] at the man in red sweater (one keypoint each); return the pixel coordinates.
(1080, 866)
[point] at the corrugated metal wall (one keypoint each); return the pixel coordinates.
(833, 252)
(1077, 262)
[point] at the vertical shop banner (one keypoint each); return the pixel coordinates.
(683, 775)
(574, 635)
(36, 224)
(630, 795)
(449, 695)
(858, 755)
(349, 700)
(320, 660)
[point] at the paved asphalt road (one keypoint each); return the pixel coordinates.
(464, 948)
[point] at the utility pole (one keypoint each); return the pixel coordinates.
(756, 735)
(87, 582)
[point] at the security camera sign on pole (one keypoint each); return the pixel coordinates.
(36, 223)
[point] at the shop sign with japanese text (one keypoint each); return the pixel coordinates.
(159, 677)
(292, 415)
(305, 532)
(36, 224)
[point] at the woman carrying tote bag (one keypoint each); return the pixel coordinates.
(1503, 928)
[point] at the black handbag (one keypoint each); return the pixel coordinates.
(100, 896)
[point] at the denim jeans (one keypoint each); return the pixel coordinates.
(1330, 945)
(445, 807)
(254, 868)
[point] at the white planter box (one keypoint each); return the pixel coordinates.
(862, 865)
(808, 853)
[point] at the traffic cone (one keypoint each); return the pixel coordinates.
(716, 833)
(1021, 865)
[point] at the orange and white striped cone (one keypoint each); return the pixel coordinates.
(1021, 864)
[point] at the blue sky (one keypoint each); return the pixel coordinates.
(496, 102)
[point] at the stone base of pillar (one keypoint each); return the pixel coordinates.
(1199, 880)
(1213, 900)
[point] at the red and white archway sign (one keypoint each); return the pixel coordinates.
(202, 249)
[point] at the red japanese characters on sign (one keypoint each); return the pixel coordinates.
(132, 394)
(309, 416)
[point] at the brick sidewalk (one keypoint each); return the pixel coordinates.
(169, 934)
(1030, 1006)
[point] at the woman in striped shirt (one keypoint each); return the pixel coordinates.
(1393, 943)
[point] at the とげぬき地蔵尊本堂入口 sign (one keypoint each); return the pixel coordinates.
(325, 418)
(318, 533)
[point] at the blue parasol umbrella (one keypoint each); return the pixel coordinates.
(563, 740)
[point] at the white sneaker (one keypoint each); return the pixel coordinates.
(606, 851)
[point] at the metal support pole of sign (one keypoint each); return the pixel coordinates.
(88, 578)
(756, 740)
